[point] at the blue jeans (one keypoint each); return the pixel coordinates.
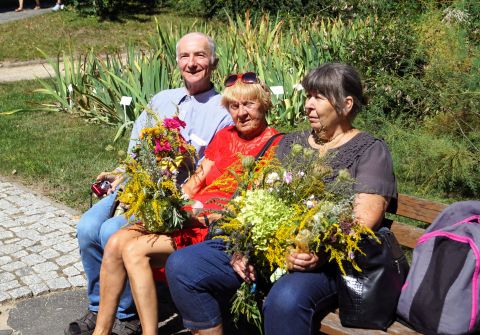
(298, 301)
(202, 282)
(93, 231)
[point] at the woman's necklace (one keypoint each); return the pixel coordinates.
(323, 145)
(320, 141)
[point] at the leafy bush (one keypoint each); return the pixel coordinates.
(346, 9)
(110, 9)
(432, 164)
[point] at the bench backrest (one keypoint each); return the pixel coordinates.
(417, 209)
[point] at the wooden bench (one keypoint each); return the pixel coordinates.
(407, 235)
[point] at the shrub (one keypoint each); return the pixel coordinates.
(431, 164)
(297, 8)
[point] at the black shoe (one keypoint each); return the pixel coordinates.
(83, 326)
(130, 326)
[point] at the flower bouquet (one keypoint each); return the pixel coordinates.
(288, 207)
(151, 193)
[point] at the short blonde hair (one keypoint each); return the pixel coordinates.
(241, 91)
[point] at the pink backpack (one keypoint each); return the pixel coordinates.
(441, 294)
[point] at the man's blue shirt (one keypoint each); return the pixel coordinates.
(203, 114)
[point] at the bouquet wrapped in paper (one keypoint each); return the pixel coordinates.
(151, 193)
(289, 207)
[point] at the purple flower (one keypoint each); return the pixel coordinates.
(287, 177)
(351, 255)
(345, 226)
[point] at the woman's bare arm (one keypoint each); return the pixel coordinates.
(370, 208)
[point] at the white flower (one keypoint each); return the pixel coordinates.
(272, 177)
(453, 14)
(197, 207)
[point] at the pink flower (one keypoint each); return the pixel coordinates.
(287, 177)
(162, 145)
(174, 123)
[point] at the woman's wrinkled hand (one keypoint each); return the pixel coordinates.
(303, 261)
(242, 268)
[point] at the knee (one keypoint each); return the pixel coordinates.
(282, 300)
(132, 254)
(114, 248)
(109, 228)
(178, 263)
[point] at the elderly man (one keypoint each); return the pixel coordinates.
(199, 106)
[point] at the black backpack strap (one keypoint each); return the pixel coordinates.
(266, 146)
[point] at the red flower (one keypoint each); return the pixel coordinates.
(162, 145)
(174, 123)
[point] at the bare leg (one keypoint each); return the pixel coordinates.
(139, 255)
(217, 330)
(20, 6)
(112, 278)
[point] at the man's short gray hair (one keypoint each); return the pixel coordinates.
(211, 43)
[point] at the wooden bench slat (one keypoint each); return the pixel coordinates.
(418, 209)
(331, 325)
(406, 235)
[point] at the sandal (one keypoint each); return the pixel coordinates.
(83, 326)
(126, 327)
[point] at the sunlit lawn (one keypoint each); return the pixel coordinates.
(67, 30)
(54, 153)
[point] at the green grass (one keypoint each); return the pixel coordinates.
(53, 153)
(67, 30)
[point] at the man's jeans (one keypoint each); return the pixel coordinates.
(93, 231)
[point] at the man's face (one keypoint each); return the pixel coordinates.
(195, 63)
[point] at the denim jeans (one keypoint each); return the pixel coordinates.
(298, 301)
(93, 231)
(202, 282)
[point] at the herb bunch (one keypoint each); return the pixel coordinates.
(288, 206)
(151, 193)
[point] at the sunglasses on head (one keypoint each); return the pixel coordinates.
(246, 78)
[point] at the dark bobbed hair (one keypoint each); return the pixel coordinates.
(336, 81)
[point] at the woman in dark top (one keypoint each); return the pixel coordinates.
(203, 277)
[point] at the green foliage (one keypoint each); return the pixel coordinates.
(427, 163)
(295, 8)
(101, 8)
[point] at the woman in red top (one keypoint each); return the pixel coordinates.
(134, 251)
